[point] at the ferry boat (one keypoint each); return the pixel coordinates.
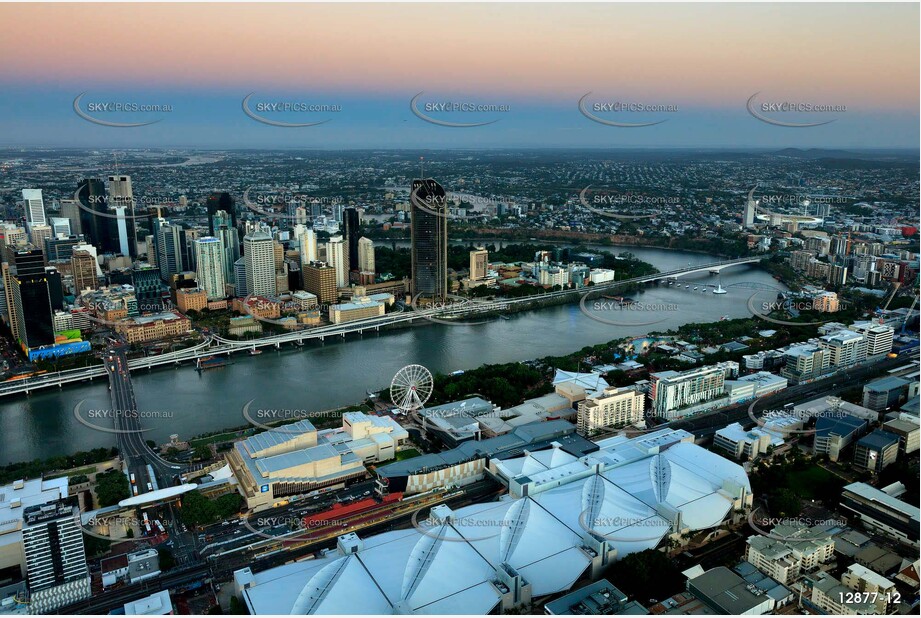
(255, 352)
(210, 362)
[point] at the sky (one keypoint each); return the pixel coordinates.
(698, 65)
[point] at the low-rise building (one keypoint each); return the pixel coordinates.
(754, 386)
(153, 327)
(600, 598)
(742, 444)
(835, 432)
(244, 324)
(259, 307)
(359, 308)
(804, 363)
(909, 434)
(294, 459)
(876, 450)
(157, 604)
(887, 392)
(881, 512)
(831, 596)
(789, 551)
(726, 593)
(826, 302)
(191, 299)
(878, 589)
(611, 408)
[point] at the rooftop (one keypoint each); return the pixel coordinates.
(878, 440)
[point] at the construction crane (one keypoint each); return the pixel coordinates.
(914, 302)
(879, 310)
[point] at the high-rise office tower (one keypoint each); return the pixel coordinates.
(34, 207)
(39, 233)
(365, 255)
(259, 257)
(61, 248)
(148, 289)
(230, 240)
(12, 318)
(352, 232)
(12, 235)
(320, 280)
(96, 219)
(169, 249)
(220, 201)
(71, 211)
(60, 226)
(121, 203)
(429, 227)
(479, 264)
(307, 242)
(209, 259)
(52, 543)
(337, 256)
(300, 215)
(748, 214)
(239, 278)
(36, 294)
(83, 265)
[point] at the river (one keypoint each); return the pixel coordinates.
(326, 375)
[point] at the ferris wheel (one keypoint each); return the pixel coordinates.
(411, 387)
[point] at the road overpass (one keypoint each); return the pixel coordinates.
(217, 345)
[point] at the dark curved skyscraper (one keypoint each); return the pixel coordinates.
(101, 230)
(351, 231)
(429, 226)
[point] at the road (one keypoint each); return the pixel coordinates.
(137, 455)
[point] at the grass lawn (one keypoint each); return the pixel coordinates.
(86, 470)
(407, 454)
(807, 481)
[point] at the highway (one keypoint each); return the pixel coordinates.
(216, 345)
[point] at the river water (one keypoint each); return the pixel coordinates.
(339, 372)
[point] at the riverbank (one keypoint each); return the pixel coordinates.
(339, 371)
(574, 239)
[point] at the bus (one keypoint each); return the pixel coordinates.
(133, 480)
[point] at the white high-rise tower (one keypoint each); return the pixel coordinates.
(259, 259)
(338, 258)
(35, 208)
(209, 260)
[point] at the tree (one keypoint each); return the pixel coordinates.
(237, 608)
(111, 488)
(95, 546)
(646, 575)
(167, 561)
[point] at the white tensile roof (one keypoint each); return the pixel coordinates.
(451, 564)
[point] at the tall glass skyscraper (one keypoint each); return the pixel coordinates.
(429, 253)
